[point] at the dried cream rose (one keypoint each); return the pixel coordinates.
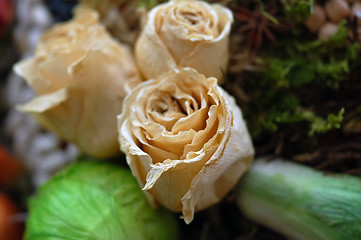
(185, 140)
(81, 76)
(185, 33)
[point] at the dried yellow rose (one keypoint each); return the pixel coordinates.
(185, 33)
(81, 76)
(185, 140)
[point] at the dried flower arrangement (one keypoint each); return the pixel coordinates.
(180, 128)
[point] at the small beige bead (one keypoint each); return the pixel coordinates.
(327, 30)
(337, 10)
(317, 19)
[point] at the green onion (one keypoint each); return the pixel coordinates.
(300, 202)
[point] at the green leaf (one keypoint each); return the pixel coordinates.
(97, 201)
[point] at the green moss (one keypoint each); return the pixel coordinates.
(299, 69)
(298, 10)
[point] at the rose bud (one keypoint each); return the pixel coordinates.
(81, 76)
(99, 201)
(185, 140)
(185, 33)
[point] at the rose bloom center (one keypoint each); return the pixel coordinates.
(175, 124)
